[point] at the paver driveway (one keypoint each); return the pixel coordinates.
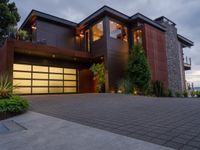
(172, 122)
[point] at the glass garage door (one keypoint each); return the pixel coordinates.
(33, 79)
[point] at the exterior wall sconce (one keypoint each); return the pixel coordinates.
(33, 27)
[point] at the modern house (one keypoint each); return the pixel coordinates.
(60, 53)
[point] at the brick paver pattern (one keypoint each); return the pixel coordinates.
(171, 122)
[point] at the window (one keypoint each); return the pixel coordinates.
(97, 31)
(118, 31)
(87, 40)
(137, 35)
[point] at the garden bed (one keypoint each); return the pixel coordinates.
(12, 106)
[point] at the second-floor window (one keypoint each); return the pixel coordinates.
(118, 31)
(97, 31)
(137, 36)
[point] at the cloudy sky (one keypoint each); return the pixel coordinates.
(185, 13)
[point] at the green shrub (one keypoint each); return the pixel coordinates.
(185, 94)
(178, 94)
(6, 86)
(158, 88)
(197, 93)
(14, 104)
(98, 71)
(125, 86)
(138, 70)
(169, 93)
(193, 93)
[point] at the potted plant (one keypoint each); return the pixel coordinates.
(12, 32)
(22, 35)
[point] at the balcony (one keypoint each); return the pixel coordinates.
(187, 63)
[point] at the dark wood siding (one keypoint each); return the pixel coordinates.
(86, 82)
(55, 35)
(117, 58)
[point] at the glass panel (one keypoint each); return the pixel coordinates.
(40, 76)
(56, 76)
(69, 90)
(39, 90)
(22, 90)
(118, 31)
(97, 31)
(87, 40)
(22, 67)
(56, 83)
(40, 68)
(24, 75)
(56, 90)
(56, 70)
(70, 83)
(21, 82)
(40, 83)
(69, 71)
(138, 37)
(69, 77)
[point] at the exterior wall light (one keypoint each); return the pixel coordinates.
(33, 27)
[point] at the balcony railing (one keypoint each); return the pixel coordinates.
(187, 63)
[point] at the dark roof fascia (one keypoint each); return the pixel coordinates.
(103, 10)
(146, 19)
(185, 40)
(163, 17)
(48, 17)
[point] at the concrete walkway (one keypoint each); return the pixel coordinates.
(42, 132)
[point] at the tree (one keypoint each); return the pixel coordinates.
(9, 16)
(138, 72)
(98, 71)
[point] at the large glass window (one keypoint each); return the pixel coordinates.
(137, 35)
(118, 31)
(31, 79)
(97, 31)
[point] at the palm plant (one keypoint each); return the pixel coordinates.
(6, 86)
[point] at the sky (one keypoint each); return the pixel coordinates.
(185, 13)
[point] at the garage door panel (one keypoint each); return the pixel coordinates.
(22, 90)
(33, 79)
(17, 82)
(39, 90)
(40, 82)
(23, 75)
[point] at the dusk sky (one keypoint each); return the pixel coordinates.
(185, 13)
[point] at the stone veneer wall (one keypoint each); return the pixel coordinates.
(176, 75)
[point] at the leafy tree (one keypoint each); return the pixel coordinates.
(138, 72)
(98, 71)
(9, 16)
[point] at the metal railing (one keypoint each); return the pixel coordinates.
(187, 61)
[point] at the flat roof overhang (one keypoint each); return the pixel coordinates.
(185, 42)
(33, 49)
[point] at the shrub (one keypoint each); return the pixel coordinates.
(178, 94)
(98, 71)
(169, 93)
(158, 88)
(138, 72)
(193, 93)
(6, 86)
(124, 86)
(197, 93)
(185, 94)
(15, 104)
